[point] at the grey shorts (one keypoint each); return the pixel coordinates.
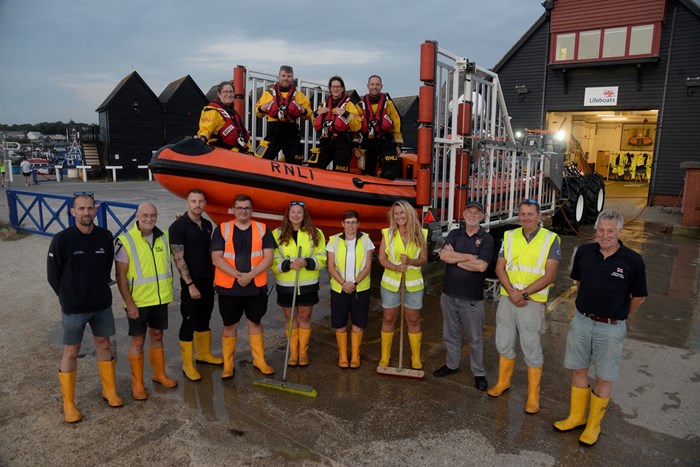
(589, 342)
(101, 323)
(412, 300)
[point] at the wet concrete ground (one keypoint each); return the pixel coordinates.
(358, 418)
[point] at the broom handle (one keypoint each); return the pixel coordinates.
(403, 278)
(291, 321)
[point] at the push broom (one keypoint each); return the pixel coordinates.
(400, 371)
(301, 389)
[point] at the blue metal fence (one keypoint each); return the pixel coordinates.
(46, 214)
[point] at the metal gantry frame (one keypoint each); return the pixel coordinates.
(501, 172)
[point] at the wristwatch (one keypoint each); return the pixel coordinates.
(526, 296)
(355, 282)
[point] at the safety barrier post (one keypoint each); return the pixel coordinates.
(114, 169)
(150, 175)
(59, 173)
(84, 168)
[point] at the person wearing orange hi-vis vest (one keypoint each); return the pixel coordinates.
(526, 267)
(402, 252)
(241, 251)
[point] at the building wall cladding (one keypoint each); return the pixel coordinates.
(581, 15)
(526, 67)
(132, 131)
(678, 132)
(638, 88)
(182, 111)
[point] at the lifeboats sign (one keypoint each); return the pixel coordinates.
(600, 96)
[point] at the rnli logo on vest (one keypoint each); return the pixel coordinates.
(619, 273)
(600, 96)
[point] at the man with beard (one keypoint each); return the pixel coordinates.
(283, 105)
(78, 268)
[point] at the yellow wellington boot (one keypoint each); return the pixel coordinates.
(534, 375)
(257, 348)
(505, 371)
(158, 375)
(202, 345)
(387, 339)
(414, 339)
(188, 367)
(304, 338)
(228, 348)
(138, 392)
(342, 339)
(109, 386)
(355, 343)
(294, 348)
(71, 414)
(598, 407)
(578, 411)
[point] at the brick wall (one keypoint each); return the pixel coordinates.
(691, 198)
(666, 200)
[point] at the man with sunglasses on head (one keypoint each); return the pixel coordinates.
(241, 251)
(78, 269)
(526, 267)
(145, 280)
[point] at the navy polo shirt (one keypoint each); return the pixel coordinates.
(459, 283)
(607, 285)
(184, 231)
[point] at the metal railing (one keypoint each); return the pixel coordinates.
(47, 214)
(484, 162)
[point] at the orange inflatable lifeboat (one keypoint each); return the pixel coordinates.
(272, 185)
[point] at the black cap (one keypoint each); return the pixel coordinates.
(475, 204)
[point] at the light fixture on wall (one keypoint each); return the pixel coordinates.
(135, 106)
(692, 84)
(521, 90)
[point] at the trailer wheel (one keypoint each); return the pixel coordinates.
(594, 192)
(569, 216)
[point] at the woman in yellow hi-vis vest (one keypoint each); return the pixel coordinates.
(297, 230)
(402, 253)
(349, 265)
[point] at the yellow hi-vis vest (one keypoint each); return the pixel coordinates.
(341, 253)
(149, 273)
(525, 262)
(256, 255)
(391, 280)
(291, 251)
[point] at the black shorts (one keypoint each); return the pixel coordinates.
(154, 317)
(305, 299)
(344, 304)
(232, 308)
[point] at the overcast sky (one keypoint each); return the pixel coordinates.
(59, 59)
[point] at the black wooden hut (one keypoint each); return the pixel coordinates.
(131, 126)
(182, 102)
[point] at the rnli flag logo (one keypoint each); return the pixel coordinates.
(478, 242)
(619, 270)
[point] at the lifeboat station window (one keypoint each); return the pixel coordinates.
(565, 47)
(614, 42)
(607, 44)
(641, 39)
(589, 45)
